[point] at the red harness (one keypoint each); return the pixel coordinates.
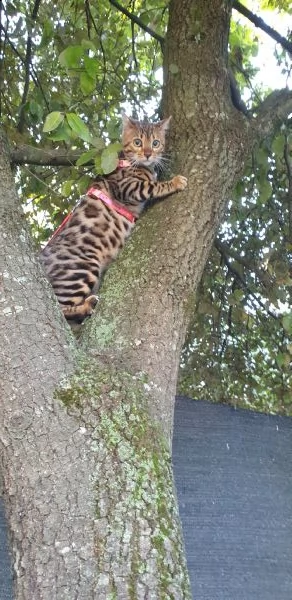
(94, 192)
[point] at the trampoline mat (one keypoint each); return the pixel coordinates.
(233, 473)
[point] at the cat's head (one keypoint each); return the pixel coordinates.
(143, 142)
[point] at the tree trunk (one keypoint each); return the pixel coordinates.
(86, 431)
(148, 295)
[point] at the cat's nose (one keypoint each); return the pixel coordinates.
(147, 153)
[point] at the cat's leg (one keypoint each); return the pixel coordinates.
(162, 189)
(81, 311)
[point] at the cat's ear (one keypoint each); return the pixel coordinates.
(164, 125)
(128, 121)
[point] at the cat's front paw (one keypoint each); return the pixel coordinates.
(180, 183)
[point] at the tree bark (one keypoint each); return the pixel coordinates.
(24, 154)
(86, 431)
(148, 296)
(88, 485)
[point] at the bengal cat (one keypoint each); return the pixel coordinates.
(96, 230)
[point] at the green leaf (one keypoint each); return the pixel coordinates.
(109, 161)
(236, 297)
(98, 143)
(287, 397)
(47, 33)
(36, 109)
(67, 187)
(83, 184)
(265, 191)
(71, 57)
(287, 322)
(283, 359)
(52, 121)
(278, 145)
(88, 45)
(97, 164)
(109, 157)
(90, 65)
(87, 83)
(280, 358)
(79, 128)
(86, 157)
(63, 133)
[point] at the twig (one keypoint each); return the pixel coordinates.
(243, 283)
(138, 21)
(248, 264)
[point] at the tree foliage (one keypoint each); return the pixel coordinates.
(66, 74)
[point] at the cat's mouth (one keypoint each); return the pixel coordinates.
(145, 161)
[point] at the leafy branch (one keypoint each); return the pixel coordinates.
(27, 63)
(258, 22)
(137, 21)
(242, 282)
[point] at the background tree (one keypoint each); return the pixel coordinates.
(86, 426)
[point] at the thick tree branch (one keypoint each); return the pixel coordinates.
(258, 22)
(138, 21)
(272, 111)
(31, 155)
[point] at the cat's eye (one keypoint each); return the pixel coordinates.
(155, 143)
(137, 142)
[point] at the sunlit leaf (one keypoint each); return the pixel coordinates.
(109, 159)
(287, 323)
(67, 187)
(87, 83)
(90, 65)
(71, 57)
(86, 157)
(52, 121)
(78, 126)
(278, 145)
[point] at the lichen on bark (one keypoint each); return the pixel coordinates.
(136, 519)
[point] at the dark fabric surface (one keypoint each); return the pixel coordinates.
(5, 571)
(233, 471)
